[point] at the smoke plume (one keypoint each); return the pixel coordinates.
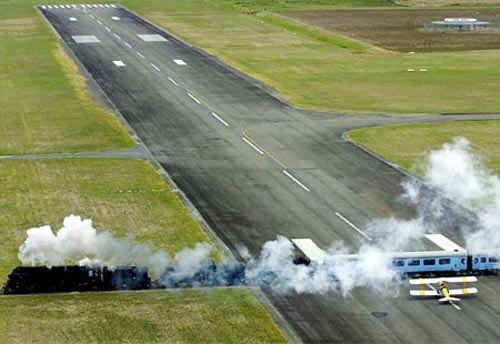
(461, 176)
(79, 242)
(275, 268)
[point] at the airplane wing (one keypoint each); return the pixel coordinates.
(421, 281)
(462, 279)
(424, 293)
(463, 291)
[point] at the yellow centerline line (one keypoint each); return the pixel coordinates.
(249, 138)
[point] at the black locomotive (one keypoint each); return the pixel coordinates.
(42, 279)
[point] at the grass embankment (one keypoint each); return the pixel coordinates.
(43, 105)
(217, 316)
(406, 145)
(330, 74)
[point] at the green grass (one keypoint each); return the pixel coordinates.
(262, 5)
(407, 145)
(216, 316)
(124, 196)
(43, 105)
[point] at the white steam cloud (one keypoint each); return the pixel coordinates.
(275, 267)
(79, 242)
(460, 175)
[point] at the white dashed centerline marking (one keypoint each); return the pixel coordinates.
(115, 18)
(296, 180)
(173, 81)
(99, 22)
(252, 145)
(119, 63)
(140, 55)
(158, 69)
(117, 37)
(127, 45)
(73, 19)
(193, 98)
(353, 226)
(220, 119)
(107, 29)
(91, 16)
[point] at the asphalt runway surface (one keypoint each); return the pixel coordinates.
(256, 167)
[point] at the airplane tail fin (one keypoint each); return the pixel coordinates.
(447, 299)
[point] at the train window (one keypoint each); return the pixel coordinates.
(483, 259)
(429, 261)
(444, 261)
(398, 263)
(413, 262)
(476, 261)
(493, 260)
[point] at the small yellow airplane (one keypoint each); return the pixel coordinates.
(446, 294)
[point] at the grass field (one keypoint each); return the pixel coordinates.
(406, 145)
(43, 106)
(406, 29)
(216, 316)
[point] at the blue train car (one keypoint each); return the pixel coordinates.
(429, 262)
(485, 261)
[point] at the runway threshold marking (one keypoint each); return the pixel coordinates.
(253, 146)
(158, 69)
(220, 119)
(353, 226)
(140, 55)
(194, 98)
(172, 81)
(296, 180)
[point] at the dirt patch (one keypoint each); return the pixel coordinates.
(403, 30)
(17, 27)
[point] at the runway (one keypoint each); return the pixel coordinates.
(256, 167)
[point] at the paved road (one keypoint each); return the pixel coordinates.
(255, 167)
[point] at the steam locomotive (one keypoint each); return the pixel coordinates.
(42, 279)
